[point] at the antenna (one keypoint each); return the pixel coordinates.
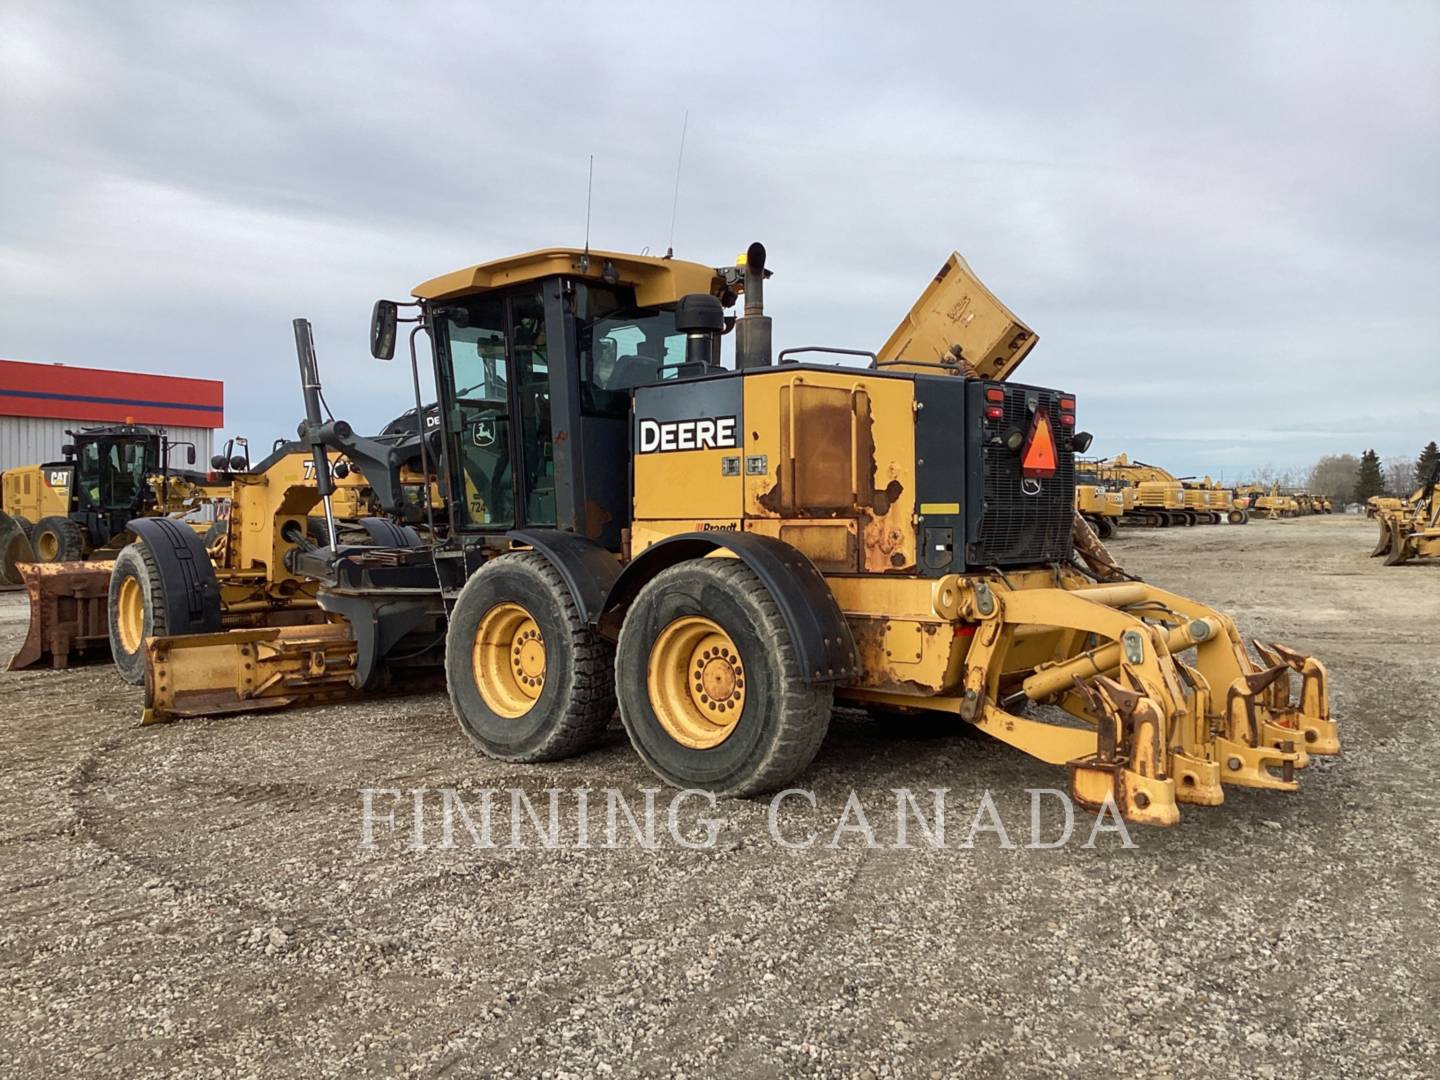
(675, 203)
(589, 189)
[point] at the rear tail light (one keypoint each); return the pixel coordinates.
(994, 412)
(994, 393)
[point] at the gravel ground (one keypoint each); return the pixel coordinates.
(196, 899)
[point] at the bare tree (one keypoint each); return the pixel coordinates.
(1399, 476)
(1334, 477)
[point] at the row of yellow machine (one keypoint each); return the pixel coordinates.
(598, 515)
(1114, 492)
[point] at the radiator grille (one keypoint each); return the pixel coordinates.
(1016, 528)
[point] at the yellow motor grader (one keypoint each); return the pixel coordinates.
(724, 552)
(1219, 501)
(221, 565)
(1411, 530)
(1270, 504)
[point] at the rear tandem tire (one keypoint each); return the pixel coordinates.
(137, 609)
(58, 539)
(529, 680)
(710, 686)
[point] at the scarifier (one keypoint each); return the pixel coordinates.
(726, 552)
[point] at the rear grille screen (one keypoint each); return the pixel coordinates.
(1022, 521)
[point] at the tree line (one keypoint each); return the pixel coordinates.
(1347, 478)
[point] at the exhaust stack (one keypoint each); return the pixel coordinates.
(752, 332)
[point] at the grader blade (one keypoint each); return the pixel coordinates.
(256, 670)
(246, 670)
(69, 614)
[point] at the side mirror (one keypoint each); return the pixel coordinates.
(383, 319)
(190, 455)
(68, 450)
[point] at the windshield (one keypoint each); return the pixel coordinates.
(112, 473)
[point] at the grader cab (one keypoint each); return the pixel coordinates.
(724, 551)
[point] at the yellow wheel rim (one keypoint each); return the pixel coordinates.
(47, 546)
(130, 615)
(696, 682)
(508, 659)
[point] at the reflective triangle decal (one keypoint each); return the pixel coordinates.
(1038, 457)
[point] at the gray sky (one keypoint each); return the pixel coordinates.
(1221, 219)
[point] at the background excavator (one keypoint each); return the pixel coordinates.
(1160, 498)
(901, 536)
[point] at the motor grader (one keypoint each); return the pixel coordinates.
(75, 508)
(1411, 530)
(1220, 503)
(220, 566)
(724, 552)
(1271, 504)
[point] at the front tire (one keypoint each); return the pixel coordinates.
(137, 609)
(529, 680)
(710, 686)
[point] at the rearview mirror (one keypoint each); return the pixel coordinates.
(383, 319)
(68, 450)
(190, 455)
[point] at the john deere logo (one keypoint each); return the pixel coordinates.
(703, 433)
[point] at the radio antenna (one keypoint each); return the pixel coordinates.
(589, 189)
(675, 202)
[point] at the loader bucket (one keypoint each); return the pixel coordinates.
(69, 614)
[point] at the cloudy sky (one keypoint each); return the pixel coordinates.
(1223, 220)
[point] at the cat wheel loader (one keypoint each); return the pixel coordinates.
(74, 509)
(724, 552)
(1411, 529)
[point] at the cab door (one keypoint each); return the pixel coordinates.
(499, 414)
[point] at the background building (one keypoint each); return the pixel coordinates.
(39, 401)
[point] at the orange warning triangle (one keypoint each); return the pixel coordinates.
(1038, 457)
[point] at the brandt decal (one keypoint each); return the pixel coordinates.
(704, 433)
